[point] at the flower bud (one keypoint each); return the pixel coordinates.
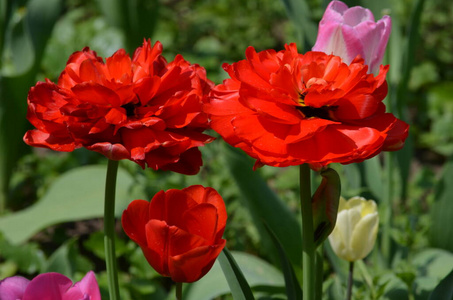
(348, 32)
(49, 286)
(179, 231)
(356, 229)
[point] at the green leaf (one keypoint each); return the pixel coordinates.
(76, 195)
(393, 288)
(264, 204)
(20, 49)
(441, 229)
(137, 18)
(259, 274)
(373, 177)
(41, 18)
(239, 287)
(299, 13)
(60, 262)
(325, 205)
(292, 286)
(28, 258)
(444, 290)
(431, 262)
(95, 244)
(29, 36)
(339, 265)
(67, 260)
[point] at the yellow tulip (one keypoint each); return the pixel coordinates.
(356, 229)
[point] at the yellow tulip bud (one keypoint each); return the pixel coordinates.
(356, 229)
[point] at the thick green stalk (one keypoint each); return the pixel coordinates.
(109, 229)
(308, 243)
(350, 280)
(178, 290)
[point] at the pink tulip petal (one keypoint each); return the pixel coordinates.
(47, 286)
(356, 15)
(351, 32)
(13, 288)
(87, 288)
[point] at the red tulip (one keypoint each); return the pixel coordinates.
(143, 109)
(179, 231)
(284, 108)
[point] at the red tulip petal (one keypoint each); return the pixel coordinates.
(119, 65)
(201, 220)
(396, 136)
(116, 115)
(111, 151)
(188, 163)
(193, 265)
(95, 93)
(181, 241)
(146, 88)
(209, 195)
(170, 207)
(134, 220)
(38, 138)
(157, 247)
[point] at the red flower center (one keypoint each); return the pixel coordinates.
(130, 108)
(308, 112)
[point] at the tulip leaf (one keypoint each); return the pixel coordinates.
(67, 260)
(264, 204)
(373, 177)
(260, 275)
(76, 195)
(444, 290)
(239, 287)
(137, 18)
(41, 18)
(441, 229)
(339, 265)
(299, 13)
(433, 262)
(25, 48)
(325, 205)
(292, 286)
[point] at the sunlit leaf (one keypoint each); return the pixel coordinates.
(257, 272)
(264, 204)
(76, 195)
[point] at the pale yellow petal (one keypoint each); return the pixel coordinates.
(364, 236)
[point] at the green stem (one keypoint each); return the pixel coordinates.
(387, 216)
(319, 272)
(350, 280)
(308, 245)
(109, 229)
(178, 290)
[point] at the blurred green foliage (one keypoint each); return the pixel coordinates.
(36, 39)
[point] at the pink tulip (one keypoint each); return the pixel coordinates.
(49, 286)
(348, 32)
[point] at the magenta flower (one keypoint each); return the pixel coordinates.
(348, 32)
(49, 286)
